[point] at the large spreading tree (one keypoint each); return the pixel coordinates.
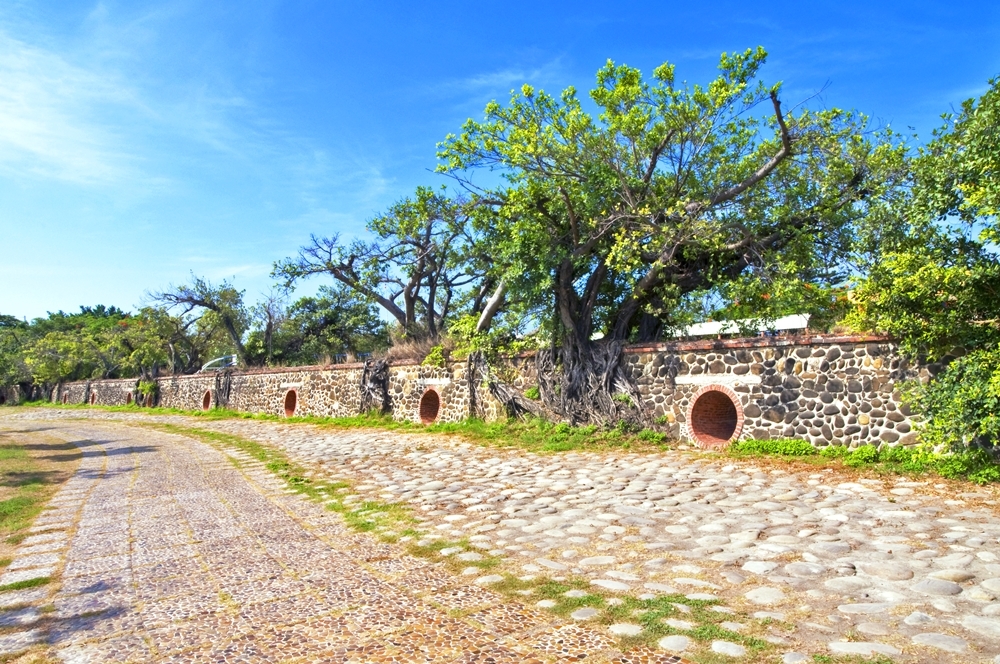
(610, 222)
(424, 267)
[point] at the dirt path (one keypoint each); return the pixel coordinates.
(162, 549)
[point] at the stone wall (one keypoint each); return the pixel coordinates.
(10, 395)
(824, 389)
(114, 392)
(322, 391)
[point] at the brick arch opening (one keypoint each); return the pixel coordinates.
(128, 399)
(291, 402)
(149, 401)
(715, 416)
(65, 398)
(430, 406)
(206, 400)
(93, 398)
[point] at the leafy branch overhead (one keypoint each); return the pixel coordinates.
(424, 265)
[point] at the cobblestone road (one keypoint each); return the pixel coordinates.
(811, 564)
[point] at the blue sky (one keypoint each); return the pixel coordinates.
(142, 141)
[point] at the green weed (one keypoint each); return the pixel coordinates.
(27, 583)
(778, 446)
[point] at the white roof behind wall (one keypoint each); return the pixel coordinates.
(793, 322)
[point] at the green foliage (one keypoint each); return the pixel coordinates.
(863, 455)
(336, 321)
(533, 393)
(977, 465)
(102, 342)
(835, 451)
(777, 446)
(14, 335)
(672, 192)
(420, 268)
(934, 290)
(959, 171)
(962, 403)
(436, 357)
(148, 387)
(935, 274)
(650, 436)
(504, 338)
(27, 583)
(219, 305)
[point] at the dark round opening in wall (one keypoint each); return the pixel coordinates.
(430, 404)
(206, 401)
(93, 398)
(149, 401)
(65, 398)
(291, 402)
(714, 418)
(128, 399)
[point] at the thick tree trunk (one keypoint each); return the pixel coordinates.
(375, 387)
(586, 383)
(515, 404)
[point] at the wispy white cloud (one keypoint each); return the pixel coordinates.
(505, 79)
(49, 117)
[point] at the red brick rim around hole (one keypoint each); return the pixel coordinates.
(128, 399)
(430, 406)
(206, 400)
(65, 398)
(93, 398)
(291, 402)
(715, 416)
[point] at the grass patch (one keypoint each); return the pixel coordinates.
(32, 468)
(27, 583)
(973, 465)
(851, 659)
(647, 612)
(775, 446)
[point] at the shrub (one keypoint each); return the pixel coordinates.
(865, 454)
(908, 459)
(435, 358)
(835, 451)
(977, 465)
(962, 404)
(533, 393)
(778, 446)
(651, 436)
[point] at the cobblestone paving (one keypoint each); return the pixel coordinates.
(162, 550)
(815, 565)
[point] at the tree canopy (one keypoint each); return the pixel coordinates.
(935, 283)
(671, 190)
(420, 268)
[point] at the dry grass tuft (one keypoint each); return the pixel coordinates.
(408, 349)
